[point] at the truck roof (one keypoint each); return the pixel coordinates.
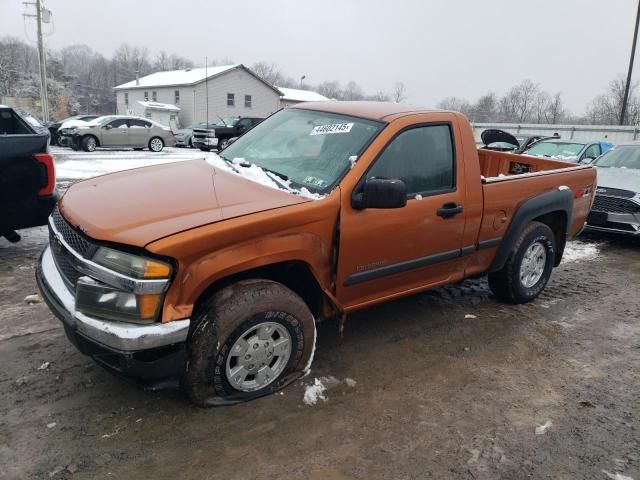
(369, 110)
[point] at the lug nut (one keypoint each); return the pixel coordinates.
(247, 357)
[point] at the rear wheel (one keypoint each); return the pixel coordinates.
(89, 143)
(250, 339)
(528, 268)
(156, 144)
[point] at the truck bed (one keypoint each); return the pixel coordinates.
(508, 180)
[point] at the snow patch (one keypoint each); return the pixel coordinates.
(350, 382)
(616, 476)
(577, 251)
(314, 392)
(468, 315)
(256, 174)
(542, 429)
(418, 196)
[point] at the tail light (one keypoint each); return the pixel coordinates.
(46, 159)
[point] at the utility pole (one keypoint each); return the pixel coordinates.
(623, 112)
(44, 98)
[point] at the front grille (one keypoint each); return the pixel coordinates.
(75, 240)
(200, 134)
(78, 242)
(603, 203)
(615, 192)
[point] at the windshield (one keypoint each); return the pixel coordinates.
(621, 157)
(556, 149)
(227, 122)
(312, 149)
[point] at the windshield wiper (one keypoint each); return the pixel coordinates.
(231, 164)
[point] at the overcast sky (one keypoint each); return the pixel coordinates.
(438, 48)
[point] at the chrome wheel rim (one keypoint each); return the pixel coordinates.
(258, 356)
(156, 144)
(91, 144)
(533, 264)
(223, 144)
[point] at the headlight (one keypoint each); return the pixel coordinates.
(102, 301)
(131, 265)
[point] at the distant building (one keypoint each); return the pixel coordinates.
(292, 96)
(233, 90)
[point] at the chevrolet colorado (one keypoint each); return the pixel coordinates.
(215, 271)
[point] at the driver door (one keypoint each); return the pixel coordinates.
(116, 133)
(386, 252)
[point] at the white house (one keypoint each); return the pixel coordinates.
(291, 96)
(232, 90)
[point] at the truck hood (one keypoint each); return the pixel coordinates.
(621, 178)
(136, 207)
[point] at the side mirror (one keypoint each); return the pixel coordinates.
(381, 193)
(107, 127)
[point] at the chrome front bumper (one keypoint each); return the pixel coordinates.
(126, 337)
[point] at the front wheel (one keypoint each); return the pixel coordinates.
(222, 143)
(89, 143)
(528, 268)
(156, 144)
(250, 339)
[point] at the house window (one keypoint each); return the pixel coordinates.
(154, 96)
(146, 96)
(231, 100)
(247, 101)
(126, 98)
(176, 97)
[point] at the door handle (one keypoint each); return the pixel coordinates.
(450, 209)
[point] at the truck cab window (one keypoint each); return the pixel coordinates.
(421, 157)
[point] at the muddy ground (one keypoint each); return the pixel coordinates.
(437, 395)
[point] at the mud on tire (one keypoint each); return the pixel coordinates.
(506, 284)
(225, 317)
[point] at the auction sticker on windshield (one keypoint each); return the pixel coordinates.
(333, 128)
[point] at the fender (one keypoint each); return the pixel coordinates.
(548, 202)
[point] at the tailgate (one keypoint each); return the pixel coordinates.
(21, 176)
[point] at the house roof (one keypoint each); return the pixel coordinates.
(296, 95)
(186, 76)
(159, 106)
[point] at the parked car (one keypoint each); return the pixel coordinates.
(617, 204)
(218, 135)
(56, 126)
(501, 141)
(184, 136)
(215, 271)
(27, 174)
(574, 151)
(121, 131)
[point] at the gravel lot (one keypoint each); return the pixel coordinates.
(445, 384)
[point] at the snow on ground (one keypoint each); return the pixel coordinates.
(77, 165)
(577, 251)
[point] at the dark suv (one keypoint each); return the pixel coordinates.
(217, 136)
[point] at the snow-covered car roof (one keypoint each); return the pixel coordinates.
(296, 95)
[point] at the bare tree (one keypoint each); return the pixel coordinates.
(330, 89)
(269, 72)
(456, 104)
(399, 92)
(485, 109)
(352, 91)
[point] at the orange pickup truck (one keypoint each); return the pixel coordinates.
(214, 272)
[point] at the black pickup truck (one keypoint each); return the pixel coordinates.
(27, 175)
(218, 135)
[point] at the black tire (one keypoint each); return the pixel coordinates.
(190, 143)
(89, 143)
(204, 149)
(506, 284)
(222, 143)
(152, 142)
(228, 314)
